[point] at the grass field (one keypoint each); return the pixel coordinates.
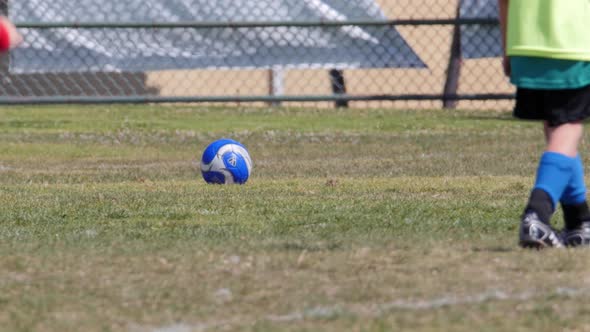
(376, 220)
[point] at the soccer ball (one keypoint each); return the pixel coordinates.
(226, 161)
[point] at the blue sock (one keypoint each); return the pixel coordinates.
(554, 174)
(575, 191)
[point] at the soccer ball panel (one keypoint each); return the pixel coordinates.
(236, 164)
(212, 150)
(239, 150)
(214, 177)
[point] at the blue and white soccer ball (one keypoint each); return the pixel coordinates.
(226, 161)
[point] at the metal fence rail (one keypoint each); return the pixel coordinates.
(380, 79)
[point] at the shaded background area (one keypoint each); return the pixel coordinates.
(434, 44)
(69, 84)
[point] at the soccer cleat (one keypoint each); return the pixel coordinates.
(536, 234)
(579, 236)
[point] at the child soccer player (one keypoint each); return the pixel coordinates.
(9, 37)
(547, 47)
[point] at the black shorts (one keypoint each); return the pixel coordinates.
(554, 106)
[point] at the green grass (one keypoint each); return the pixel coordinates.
(363, 220)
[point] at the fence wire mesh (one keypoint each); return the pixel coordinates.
(364, 53)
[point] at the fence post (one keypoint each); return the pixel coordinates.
(276, 78)
(338, 86)
(454, 66)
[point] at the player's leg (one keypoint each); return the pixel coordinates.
(553, 176)
(575, 208)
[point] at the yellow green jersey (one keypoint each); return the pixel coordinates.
(556, 29)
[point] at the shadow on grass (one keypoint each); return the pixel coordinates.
(495, 249)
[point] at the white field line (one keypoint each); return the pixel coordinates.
(371, 310)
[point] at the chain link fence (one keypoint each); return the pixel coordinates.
(364, 53)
